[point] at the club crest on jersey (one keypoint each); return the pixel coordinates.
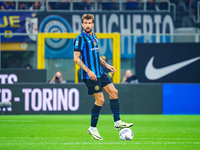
(96, 87)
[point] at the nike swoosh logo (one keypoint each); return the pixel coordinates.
(153, 73)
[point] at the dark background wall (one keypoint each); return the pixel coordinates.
(73, 99)
(10, 76)
(182, 58)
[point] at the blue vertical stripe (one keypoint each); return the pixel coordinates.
(91, 55)
(87, 56)
(95, 57)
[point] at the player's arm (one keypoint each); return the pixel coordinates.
(79, 62)
(111, 68)
(103, 62)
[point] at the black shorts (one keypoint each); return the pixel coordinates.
(96, 86)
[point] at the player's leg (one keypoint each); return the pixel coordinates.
(114, 105)
(95, 88)
(99, 100)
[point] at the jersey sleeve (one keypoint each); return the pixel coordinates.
(78, 43)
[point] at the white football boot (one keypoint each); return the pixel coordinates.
(119, 125)
(94, 132)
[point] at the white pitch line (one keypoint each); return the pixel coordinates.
(119, 143)
(111, 138)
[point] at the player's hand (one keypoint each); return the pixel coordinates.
(111, 68)
(92, 76)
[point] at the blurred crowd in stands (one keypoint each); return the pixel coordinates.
(21, 5)
(102, 4)
(188, 6)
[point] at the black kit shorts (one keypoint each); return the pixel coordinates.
(96, 86)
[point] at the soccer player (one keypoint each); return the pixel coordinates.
(86, 55)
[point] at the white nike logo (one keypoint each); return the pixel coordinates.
(153, 73)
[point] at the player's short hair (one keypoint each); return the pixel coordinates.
(88, 16)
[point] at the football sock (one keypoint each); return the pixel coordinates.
(114, 106)
(95, 115)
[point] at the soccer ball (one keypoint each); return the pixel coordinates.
(126, 134)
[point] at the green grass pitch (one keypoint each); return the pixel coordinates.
(59, 132)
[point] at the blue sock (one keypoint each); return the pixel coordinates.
(114, 106)
(95, 115)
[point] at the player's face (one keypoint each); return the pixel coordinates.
(87, 25)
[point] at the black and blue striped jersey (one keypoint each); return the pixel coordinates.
(89, 47)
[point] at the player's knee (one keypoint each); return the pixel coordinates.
(100, 102)
(114, 94)
(99, 97)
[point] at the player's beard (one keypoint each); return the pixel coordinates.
(88, 31)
